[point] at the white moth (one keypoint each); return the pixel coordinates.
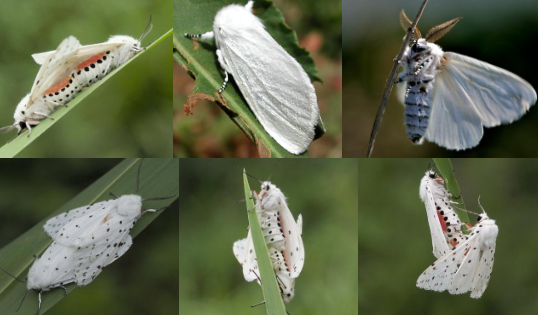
(468, 266)
(67, 71)
(273, 83)
(443, 221)
(99, 233)
(282, 236)
(450, 97)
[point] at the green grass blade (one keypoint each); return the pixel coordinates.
(271, 292)
(201, 62)
(158, 178)
(447, 172)
(11, 149)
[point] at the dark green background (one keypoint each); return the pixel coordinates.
(324, 191)
(129, 116)
(395, 244)
(143, 281)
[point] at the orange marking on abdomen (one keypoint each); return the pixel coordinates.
(88, 62)
(441, 221)
(58, 86)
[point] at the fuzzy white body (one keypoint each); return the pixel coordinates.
(68, 70)
(274, 84)
(466, 268)
(99, 234)
(444, 223)
(282, 236)
(450, 98)
(420, 63)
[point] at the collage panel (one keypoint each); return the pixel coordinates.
(33, 221)
(276, 89)
(322, 192)
(54, 49)
(468, 91)
(479, 210)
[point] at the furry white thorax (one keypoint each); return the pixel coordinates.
(129, 206)
(125, 52)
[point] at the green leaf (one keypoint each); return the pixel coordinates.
(158, 178)
(271, 291)
(199, 59)
(447, 172)
(12, 148)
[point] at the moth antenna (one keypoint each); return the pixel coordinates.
(24, 297)
(254, 177)
(471, 212)
(258, 304)
(159, 198)
(138, 176)
(272, 170)
(12, 276)
(484, 211)
(146, 31)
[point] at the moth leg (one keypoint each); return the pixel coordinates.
(55, 104)
(65, 290)
(204, 36)
(44, 115)
(224, 66)
(115, 197)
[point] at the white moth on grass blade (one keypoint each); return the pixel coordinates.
(468, 266)
(85, 240)
(449, 97)
(67, 71)
(443, 221)
(99, 232)
(283, 237)
(273, 83)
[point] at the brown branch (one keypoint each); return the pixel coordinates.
(390, 81)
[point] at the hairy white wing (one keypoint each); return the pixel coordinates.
(55, 224)
(480, 281)
(54, 268)
(439, 242)
(82, 54)
(438, 275)
(470, 94)
(245, 254)
(89, 261)
(100, 222)
(55, 68)
(274, 84)
(294, 250)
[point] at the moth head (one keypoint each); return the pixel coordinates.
(420, 46)
(129, 205)
(267, 187)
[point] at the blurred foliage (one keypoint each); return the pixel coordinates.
(124, 117)
(143, 281)
(395, 244)
(501, 37)
(210, 133)
(324, 191)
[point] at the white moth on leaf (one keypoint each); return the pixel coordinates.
(85, 240)
(273, 83)
(468, 266)
(449, 97)
(443, 221)
(283, 237)
(67, 71)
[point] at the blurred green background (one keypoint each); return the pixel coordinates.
(143, 281)
(126, 117)
(395, 245)
(210, 133)
(324, 191)
(498, 32)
